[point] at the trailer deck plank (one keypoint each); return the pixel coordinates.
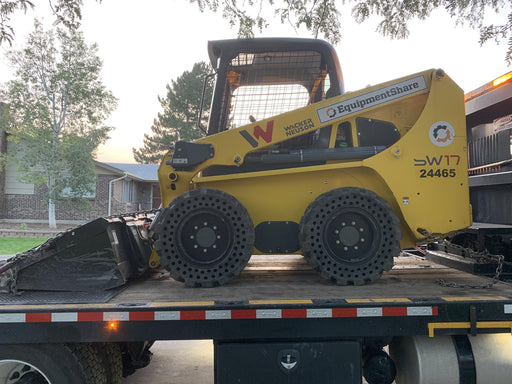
(284, 278)
(290, 278)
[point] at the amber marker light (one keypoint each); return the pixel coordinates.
(488, 87)
(112, 325)
(502, 79)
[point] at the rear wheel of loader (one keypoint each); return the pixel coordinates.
(350, 235)
(206, 238)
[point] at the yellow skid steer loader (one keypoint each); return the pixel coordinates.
(292, 164)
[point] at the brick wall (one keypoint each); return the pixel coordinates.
(32, 207)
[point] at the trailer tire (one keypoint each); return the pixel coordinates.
(112, 360)
(350, 235)
(51, 364)
(204, 238)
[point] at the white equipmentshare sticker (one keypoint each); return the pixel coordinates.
(371, 99)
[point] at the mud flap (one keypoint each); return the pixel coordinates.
(99, 255)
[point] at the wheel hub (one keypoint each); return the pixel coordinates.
(205, 237)
(351, 236)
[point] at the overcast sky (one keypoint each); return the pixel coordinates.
(144, 45)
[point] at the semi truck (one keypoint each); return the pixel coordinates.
(284, 237)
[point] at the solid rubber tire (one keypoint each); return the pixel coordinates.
(231, 258)
(377, 216)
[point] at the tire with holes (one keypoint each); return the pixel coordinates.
(50, 364)
(204, 238)
(350, 235)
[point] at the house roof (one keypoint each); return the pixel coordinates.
(141, 172)
(148, 172)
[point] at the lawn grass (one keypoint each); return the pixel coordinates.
(14, 245)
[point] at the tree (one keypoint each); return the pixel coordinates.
(56, 106)
(180, 111)
(321, 17)
(67, 13)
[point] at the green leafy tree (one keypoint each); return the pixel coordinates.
(321, 17)
(66, 12)
(178, 121)
(56, 106)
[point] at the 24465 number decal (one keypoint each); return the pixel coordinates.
(424, 173)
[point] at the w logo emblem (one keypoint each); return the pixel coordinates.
(258, 133)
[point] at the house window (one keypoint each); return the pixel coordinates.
(91, 194)
(13, 186)
(128, 191)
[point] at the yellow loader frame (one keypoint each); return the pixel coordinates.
(422, 177)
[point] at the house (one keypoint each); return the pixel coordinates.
(120, 188)
(141, 190)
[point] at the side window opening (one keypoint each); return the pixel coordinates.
(344, 136)
(259, 86)
(258, 102)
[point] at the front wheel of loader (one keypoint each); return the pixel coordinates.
(206, 238)
(350, 235)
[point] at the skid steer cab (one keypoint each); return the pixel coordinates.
(293, 165)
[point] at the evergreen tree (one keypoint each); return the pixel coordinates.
(179, 117)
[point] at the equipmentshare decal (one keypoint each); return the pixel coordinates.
(371, 99)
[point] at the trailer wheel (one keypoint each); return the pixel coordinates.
(50, 364)
(205, 238)
(112, 360)
(350, 235)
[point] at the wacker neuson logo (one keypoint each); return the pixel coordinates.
(372, 99)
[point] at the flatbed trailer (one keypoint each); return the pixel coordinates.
(277, 306)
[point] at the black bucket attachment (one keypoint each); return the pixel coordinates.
(99, 255)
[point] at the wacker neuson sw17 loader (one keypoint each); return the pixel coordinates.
(292, 164)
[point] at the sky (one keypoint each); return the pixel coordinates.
(145, 45)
